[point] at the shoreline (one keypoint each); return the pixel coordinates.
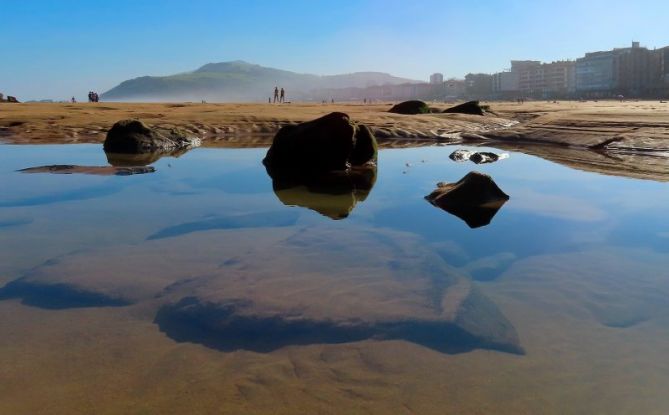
(616, 138)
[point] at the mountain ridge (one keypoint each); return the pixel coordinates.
(240, 81)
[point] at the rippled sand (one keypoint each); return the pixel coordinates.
(114, 360)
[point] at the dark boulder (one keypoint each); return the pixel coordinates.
(133, 137)
(471, 107)
(330, 143)
(411, 108)
(12, 99)
(475, 199)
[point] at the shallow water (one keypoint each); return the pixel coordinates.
(335, 301)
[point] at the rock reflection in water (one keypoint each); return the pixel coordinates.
(92, 170)
(120, 165)
(475, 216)
(143, 159)
(333, 195)
(252, 220)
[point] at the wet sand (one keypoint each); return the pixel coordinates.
(219, 123)
(114, 360)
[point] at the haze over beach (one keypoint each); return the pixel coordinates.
(334, 207)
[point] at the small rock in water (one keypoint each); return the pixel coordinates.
(460, 155)
(483, 158)
(487, 157)
(476, 198)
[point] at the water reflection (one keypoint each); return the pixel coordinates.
(254, 220)
(334, 195)
(92, 170)
(143, 159)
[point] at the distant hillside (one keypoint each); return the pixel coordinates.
(239, 81)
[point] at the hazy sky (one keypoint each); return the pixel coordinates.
(59, 48)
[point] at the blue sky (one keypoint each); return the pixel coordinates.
(59, 48)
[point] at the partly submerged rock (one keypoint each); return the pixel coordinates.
(481, 157)
(333, 195)
(410, 108)
(460, 155)
(471, 107)
(330, 143)
(475, 198)
(133, 136)
(485, 157)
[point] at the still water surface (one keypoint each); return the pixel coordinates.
(200, 286)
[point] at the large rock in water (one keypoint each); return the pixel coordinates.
(410, 108)
(330, 143)
(133, 137)
(266, 290)
(475, 198)
(471, 107)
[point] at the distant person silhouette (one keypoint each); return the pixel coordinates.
(283, 95)
(276, 93)
(74, 101)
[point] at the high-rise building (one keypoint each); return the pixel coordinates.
(478, 85)
(543, 80)
(632, 71)
(504, 83)
(436, 79)
(596, 72)
(663, 60)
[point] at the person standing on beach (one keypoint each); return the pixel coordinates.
(276, 94)
(283, 95)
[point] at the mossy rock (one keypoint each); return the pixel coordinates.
(471, 108)
(134, 137)
(411, 108)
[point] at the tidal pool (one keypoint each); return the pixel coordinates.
(199, 285)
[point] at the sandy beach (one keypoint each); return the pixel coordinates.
(609, 137)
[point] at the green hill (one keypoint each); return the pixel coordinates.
(238, 81)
